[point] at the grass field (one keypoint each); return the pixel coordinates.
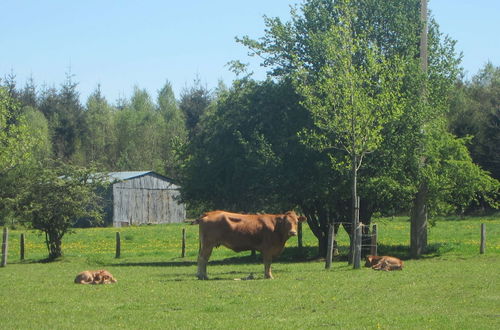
(451, 287)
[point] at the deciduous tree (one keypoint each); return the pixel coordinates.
(57, 198)
(351, 96)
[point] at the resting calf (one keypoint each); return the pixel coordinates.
(95, 277)
(384, 263)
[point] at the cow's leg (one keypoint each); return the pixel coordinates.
(203, 256)
(267, 266)
(378, 265)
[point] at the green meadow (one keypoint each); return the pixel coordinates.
(452, 286)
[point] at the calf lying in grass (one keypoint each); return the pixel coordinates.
(95, 277)
(384, 263)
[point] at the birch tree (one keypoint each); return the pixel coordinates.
(351, 96)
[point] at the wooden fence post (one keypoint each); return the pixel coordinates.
(118, 245)
(329, 247)
(183, 251)
(373, 247)
(21, 248)
(299, 236)
(357, 247)
(5, 245)
(483, 239)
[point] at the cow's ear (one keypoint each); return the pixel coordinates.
(302, 218)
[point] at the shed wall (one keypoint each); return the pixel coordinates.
(147, 199)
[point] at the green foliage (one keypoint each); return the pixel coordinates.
(174, 130)
(134, 134)
(455, 181)
(245, 148)
(16, 141)
(144, 139)
(194, 102)
(57, 198)
(356, 66)
(99, 138)
(18, 144)
(65, 115)
(475, 112)
(136, 127)
(351, 61)
(38, 126)
(352, 94)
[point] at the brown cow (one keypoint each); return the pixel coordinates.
(384, 263)
(266, 233)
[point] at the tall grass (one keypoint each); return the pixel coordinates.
(451, 287)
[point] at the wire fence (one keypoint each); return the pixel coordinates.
(368, 240)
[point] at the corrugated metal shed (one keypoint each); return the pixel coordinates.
(145, 197)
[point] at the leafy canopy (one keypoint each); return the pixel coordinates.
(57, 198)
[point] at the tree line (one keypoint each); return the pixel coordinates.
(135, 133)
(346, 111)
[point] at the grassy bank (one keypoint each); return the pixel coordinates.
(451, 287)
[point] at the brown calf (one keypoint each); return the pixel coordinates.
(384, 263)
(95, 277)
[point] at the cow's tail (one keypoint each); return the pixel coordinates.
(193, 222)
(197, 221)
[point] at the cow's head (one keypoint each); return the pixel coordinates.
(290, 223)
(371, 260)
(107, 277)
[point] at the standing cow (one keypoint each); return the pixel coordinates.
(266, 233)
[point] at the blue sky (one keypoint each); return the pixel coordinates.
(122, 44)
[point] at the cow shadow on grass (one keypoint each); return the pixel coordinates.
(185, 263)
(290, 255)
(257, 272)
(217, 276)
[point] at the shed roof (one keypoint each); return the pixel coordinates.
(121, 176)
(127, 175)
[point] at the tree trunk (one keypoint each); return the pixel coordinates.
(322, 246)
(318, 220)
(418, 231)
(354, 197)
(54, 242)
